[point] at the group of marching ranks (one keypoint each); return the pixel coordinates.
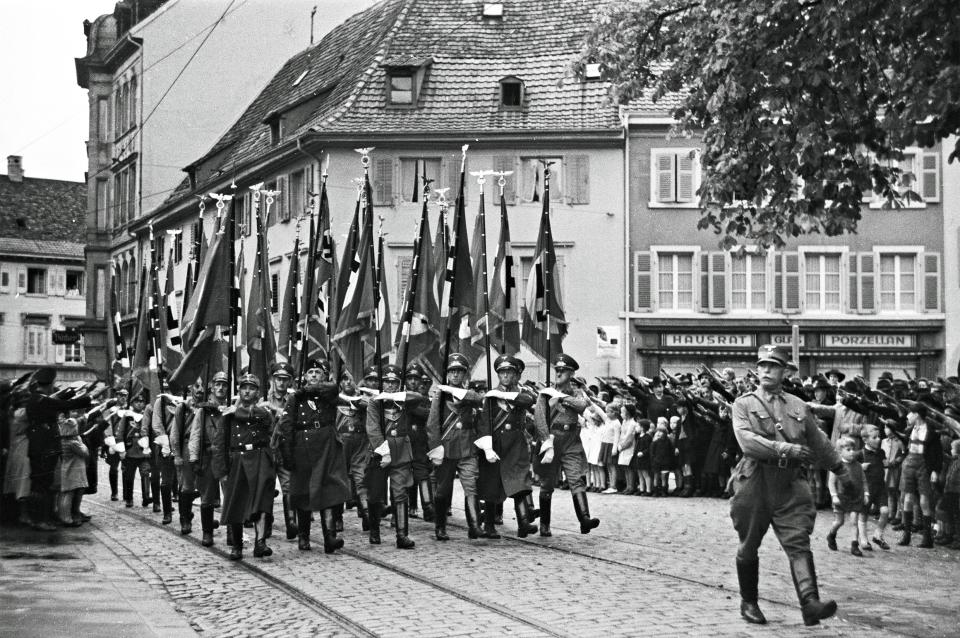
(333, 444)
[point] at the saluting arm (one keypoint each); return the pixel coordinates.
(433, 423)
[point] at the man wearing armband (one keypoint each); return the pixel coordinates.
(557, 419)
(779, 437)
(505, 470)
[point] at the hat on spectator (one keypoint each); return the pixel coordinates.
(45, 376)
(833, 372)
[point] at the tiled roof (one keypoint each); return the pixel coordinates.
(43, 209)
(37, 247)
(664, 106)
(345, 73)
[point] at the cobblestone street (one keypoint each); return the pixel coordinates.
(659, 567)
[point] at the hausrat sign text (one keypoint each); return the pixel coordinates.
(680, 340)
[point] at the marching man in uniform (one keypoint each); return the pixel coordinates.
(313, 453)
(179, 446)
(242, 456)
(557, 419)
(351, 427)
(503, 427)
(779, 435)
(388, 427)
(204, 428)
(453, 425)
(281, 380)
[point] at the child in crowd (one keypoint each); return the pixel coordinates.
(625, 446)
(590, 438)
(644, 439)
(609, 436)
(680, 449)
(72, 474)
(874, 463)
(893, 453)
(851, 500)
(661, 458)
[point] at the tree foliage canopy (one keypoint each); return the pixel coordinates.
(803, 106)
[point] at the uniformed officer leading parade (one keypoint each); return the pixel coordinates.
(779, 437)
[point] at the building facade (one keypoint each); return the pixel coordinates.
(416, 81)
(43, 285)
(165, 78)
(864, 303)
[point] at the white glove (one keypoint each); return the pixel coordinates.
(144, 443)
(436, 455)
(547, 457)
(111, 443)
(164, 442)
(547, 444)
(385, 460)
(384, 451)
(491, 456)
(121, 449)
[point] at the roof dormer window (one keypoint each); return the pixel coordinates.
(400, 88)
(511, 93)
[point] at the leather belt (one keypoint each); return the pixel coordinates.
(314, 425)
(250, 446)
(782, 462)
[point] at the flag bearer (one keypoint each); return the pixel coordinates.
(203, 430)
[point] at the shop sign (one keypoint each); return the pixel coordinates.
(683, 340)
(787, 340)
(868, 341)
(608, 342)
(61, 337)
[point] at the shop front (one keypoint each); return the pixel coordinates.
(907, 349)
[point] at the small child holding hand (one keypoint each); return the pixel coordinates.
(852, 500)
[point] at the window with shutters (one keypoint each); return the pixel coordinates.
(382, 176)
(274, 291)
(897, 282)
(748, 282)
(674, 177)
(674, 280)
(297, 195)
(35, 343)
(931, 282)
(5, 281)
(532, 178)
(413, 170)
(919, 180)
(178, 247)
(36, 281)
(786, 282)
(822, 278)
(73, 352)
(75, 283)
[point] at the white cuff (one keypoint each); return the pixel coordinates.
(121, 447)
(547, 444)
(382, 449)
(484, 443)
(436, 454)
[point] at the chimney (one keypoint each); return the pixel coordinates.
(15, 168)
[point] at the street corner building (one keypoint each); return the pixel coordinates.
(43, 286)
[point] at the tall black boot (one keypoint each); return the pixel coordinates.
(338, 518)
(748, 573)
(498, 518)
(185, 509)
(426, 497)
(112, 475)
(166, 497)
(524, 526)
(805, 580)
(289, 518)
(412, 502)
(534, 512)
(546, 501)
(206, 524)
(490, 521)
(230, 539)
(905, 534)
(236, 546)
(472, 510)
(403, 523)
(145, 489)
(155, 494)
(267, 525)
(328, 522)
(583, 513)
(363, 512)
(373, 512)
(440, 520)
(303, 530)
(926, 541)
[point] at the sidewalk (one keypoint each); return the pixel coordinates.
(70, 583)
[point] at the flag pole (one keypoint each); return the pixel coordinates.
(308, 300)
(331, 298)
(367, 207)
(546, 260)
(234, 299)
(481, 180)
(155, 310)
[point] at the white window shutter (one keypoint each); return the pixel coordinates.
(685, 176)
(21, 280)
(929, 176)
(60, 353)
(663, 170)
(642, 279)
(854, 290)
